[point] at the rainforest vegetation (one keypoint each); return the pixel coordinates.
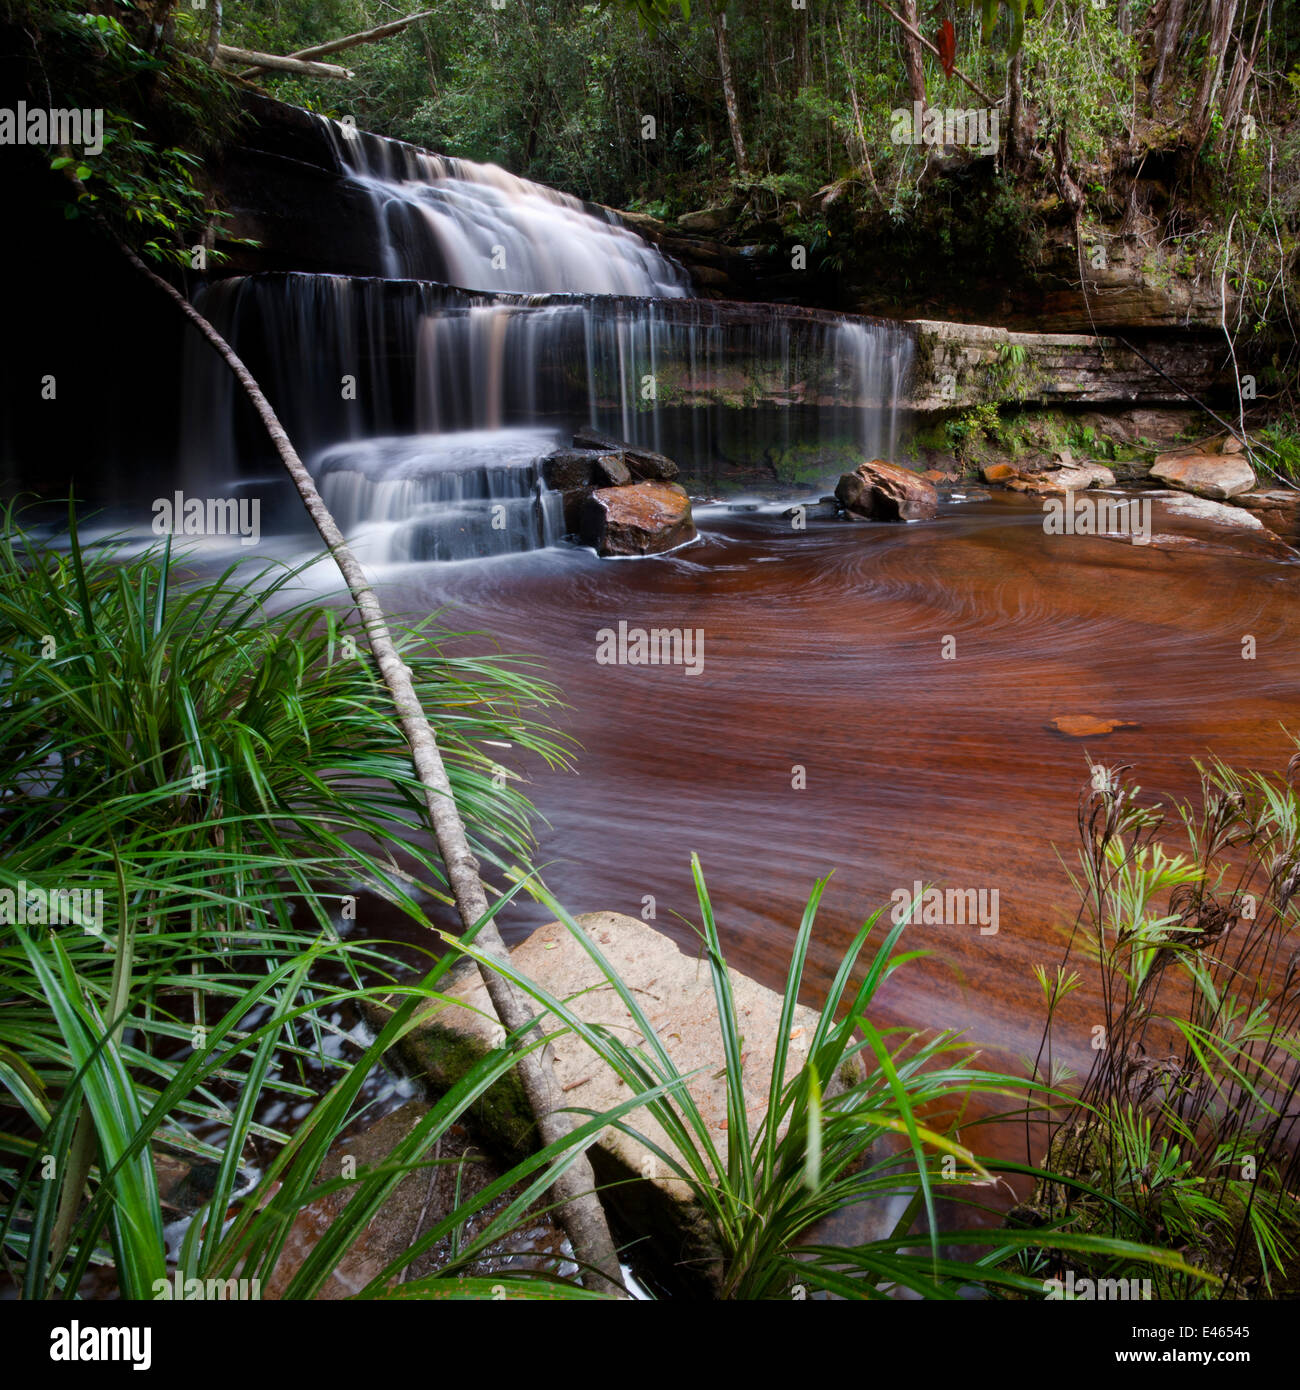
(225, 768)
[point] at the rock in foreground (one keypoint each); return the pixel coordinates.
(676, 993)
(1070, 477)
(643, 519)
(879, 491)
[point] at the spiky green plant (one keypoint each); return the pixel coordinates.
(1186, 1120)
(820, 1150)
(218, 783)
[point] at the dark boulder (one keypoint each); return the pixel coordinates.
(645, 465)
(569, 468)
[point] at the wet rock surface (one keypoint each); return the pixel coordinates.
(644, 464)
(880, 491)
(640, 519)
(1278, 509)
(1071, 477)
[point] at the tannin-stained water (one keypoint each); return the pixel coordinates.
(823, 650)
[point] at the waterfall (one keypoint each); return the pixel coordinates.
(425, 401)
(477, 226)
(351, 359)
(442, 497)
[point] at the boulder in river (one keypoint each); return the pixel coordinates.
(881, 491)
(997, 473)
(642, 519)
(570, 468)
(1075, 477)
(1216, 476)
(645, 465)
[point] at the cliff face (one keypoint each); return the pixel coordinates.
(975, 249)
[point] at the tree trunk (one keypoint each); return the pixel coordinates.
(214, 34)
(1015, 111)
(1235, 90)
(729, 92)
(915, 33)
(230, 56)
(1167, 36)
(580, 1210)
(913, 56)
(383, 31)
(1221, 19)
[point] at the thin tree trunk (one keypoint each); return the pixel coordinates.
(729, 91)
(580, 1210)
(214, 33)
(913, 56)
(1015, 110)
(1166, 42)
(864, 154)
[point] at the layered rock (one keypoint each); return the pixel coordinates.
(959, 365)
(645, 465)
(880, 491)
(640, 519)
(1277, 508)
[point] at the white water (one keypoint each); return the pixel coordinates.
(442, 496)
(480, 227)
(424, 409)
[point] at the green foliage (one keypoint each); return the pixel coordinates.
(221, 779)
(1080, 69)
(825, 1139)
(164, 107)
(1183, 1129)
(970, 430)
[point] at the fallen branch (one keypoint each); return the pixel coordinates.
(350, 41)
(1241, 436)
(579, 1207)
(229, 56)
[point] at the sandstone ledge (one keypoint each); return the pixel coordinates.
(675, 991)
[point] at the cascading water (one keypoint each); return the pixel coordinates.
(478, 226)
(442, 496)
(695, 379)
(426, 408)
